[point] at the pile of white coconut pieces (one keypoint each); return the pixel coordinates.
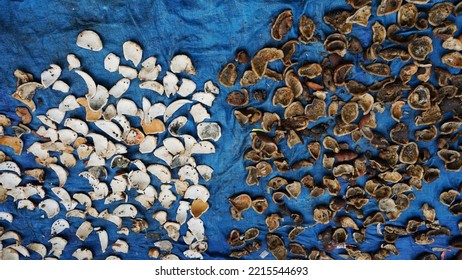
(107, 145)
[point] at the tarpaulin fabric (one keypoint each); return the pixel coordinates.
(35, 34)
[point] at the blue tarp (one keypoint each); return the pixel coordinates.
(35, 34)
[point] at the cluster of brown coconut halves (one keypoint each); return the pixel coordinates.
(333, 115)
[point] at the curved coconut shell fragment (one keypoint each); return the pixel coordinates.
(263, 57)
(227, 76)
(282, 25)
(238, 98)
(307, 28)
(337, 19)
(420, 47)
(361, 16)
(387, 7)
(439, 12)
(453, 59)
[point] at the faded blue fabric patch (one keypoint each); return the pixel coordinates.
(35, 34)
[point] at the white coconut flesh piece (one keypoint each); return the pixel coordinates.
(119, 183)
(110, 112)
(82, 199)
(145, 105)
(204, 98)
(95, 160)
(11, 235)
(173, 107)
(61, 193)
(160, 216)
(84, 230)
(183, 159)
(170, 257)
(127, 107)
(55, 115)
(164, 245)
(116, 220)
(26, 91)
(162, 173)
(170, 82)
(188, 238)
(128, 72)
(196, 226)
(100, 191)
(148, 145)
(189, 142)
(114, 197)
(154, 86)
(176, 124)
(69, 103)
(192, 254)
(67, 136)
(73, 61)
(20, 249)
(182, 212)
(180, 63)
(99, 100)
(205, 171)
(124, 231)
(57, 246)
(146, 201)
(103, 239)
(9, 254)
(173, 230)
(209, 130)
(76, 213)
(199, 113)
(210, 87)
(47, 121)
(68, 160)
(132, 52)
(90, 40)
(110, 129)
(10, 166)
(156, 110)
(39, 248)
(120, 87)
(188, 172)
(197, 192)
(100, 143)
(50, 133)
(76, 125)
(5, 216)
(139, 164)
(124, 124)
(50, 75)
(59, 226)
(26, 204)
(61, 86)
(138, 179)
(92, 180)
(149, 70)
(120, 246)
(173, 145)
(50, 206)
(166, 196)
(82, 254)
(91, 85)
(111, 62)
(187, 87)
(61, 172)
(125, 210)
(163, 154)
